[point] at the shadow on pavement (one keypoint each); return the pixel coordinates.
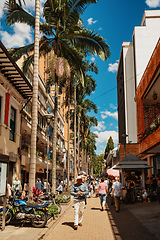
(99, 209)
(126, 226)
(70, 224)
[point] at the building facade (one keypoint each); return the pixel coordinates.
(133, 60)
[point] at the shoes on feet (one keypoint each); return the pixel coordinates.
(80, 224)
(117, 210)
(75, 227)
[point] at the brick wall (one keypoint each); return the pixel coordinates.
(130, 148)
(147, 78)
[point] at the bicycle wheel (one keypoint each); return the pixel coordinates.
(8, 216)
(40, 218)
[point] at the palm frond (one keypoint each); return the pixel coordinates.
(16, 13)
(27, 62)
(17, 53)
(73, 56)
(91, 42)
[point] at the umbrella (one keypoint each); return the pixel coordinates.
(113, 172)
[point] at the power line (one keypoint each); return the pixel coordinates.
(115, 87)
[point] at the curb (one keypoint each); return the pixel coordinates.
(52, 222)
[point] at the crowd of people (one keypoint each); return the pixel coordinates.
(17, 189)
(94, 188)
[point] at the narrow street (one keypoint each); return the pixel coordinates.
(96, 225)
(133, 222)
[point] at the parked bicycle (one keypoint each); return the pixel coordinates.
(17, 209)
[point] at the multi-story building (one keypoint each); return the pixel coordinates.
(14, 90)
(43, 65)
(132, 63)
(45, 106)
(148, 110)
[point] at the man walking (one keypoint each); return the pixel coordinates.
(117, 193)
(79, 190)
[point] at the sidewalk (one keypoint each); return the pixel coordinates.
(96, 225)
(15, 231)
(135, 221)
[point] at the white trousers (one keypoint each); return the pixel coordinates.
(78, 211)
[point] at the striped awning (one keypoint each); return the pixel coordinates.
(13, 73)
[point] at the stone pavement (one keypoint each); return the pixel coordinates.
(135, 221)
(96, 225)
(15, 231)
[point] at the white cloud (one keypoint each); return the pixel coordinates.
(1, 7)
(112, 106)
(153, 3)
(90, 21)
(113, 67)
(106, 114)
(99, 29)
(92, 59)
(104, 136)
(100, 126)
(22, 35)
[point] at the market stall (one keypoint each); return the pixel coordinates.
(132, 175)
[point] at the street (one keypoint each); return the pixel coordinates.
(134, 221)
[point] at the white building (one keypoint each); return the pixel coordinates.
(132, 63)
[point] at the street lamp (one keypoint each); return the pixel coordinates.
(48, 117)
(124, 135)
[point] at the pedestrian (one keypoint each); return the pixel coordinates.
(39, 184)
(79, 190)
(45, 186)
(60, 188)
(90, 187)
(16, 186)
(102, 190)
(117, 193)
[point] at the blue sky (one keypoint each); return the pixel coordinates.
(113, 20)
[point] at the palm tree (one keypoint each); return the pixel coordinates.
(62, 32)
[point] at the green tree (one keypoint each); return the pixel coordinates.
(97, 163)
(64, 34)
(109, 146)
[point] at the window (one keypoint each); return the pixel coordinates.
(12, 124)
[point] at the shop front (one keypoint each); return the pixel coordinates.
(133, 173)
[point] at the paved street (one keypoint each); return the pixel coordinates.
(96, 225)
(133, 222)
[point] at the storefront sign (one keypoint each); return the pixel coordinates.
(3, 175)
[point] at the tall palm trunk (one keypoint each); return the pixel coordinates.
(55, 138)
(32, 166)
(68, 155)
(75, 132)
(82, 146)
(78, 139)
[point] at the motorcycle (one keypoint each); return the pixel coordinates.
(21, 210)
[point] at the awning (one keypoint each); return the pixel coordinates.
(132, 162)
(113, 171)
(14, 75)
(132, 166)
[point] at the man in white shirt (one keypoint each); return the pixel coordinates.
(117, 193)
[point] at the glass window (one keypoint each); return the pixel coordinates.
(12, 124)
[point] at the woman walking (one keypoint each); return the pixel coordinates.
(103, 191)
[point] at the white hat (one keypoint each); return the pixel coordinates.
(80, 177)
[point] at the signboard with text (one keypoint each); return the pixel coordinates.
(3, 175)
